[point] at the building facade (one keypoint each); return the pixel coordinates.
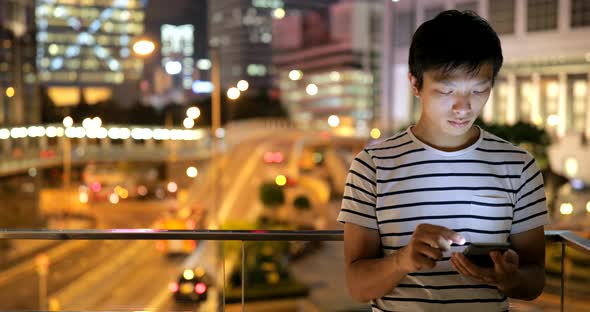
(327, 63)
(242, 31)
(19, 101)
(85, 48)
(182, 36)
(545, 79)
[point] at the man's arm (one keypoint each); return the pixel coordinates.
(368, 275)
(371, 275)
(529, 281)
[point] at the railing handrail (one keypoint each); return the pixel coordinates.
(570, 238)
(152, 234)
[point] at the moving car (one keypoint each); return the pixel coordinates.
(176, 220)
(193, 281)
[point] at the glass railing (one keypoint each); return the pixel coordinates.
(219, 270)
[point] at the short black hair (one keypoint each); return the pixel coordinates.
(454, 40)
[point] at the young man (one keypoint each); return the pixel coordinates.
(444, 181)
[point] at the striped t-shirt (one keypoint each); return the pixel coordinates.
(485, 192)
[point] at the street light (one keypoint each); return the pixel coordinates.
(279, 13)
(173, 67)
(295, 74)
(114, 198)
(144, 47)
(566, 208)
(311, 89)
(10, 92)
(233, 93)
(68, 122)
(375, 133)
(87, 123)
(333, 121)
(96, 122)
(243, 85)
(281, 180)
(193, 112)
(192, 172)
(188, 123)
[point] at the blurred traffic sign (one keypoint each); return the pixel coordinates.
(42, 263)
(54, 304)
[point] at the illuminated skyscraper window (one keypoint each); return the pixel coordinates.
(268, 4)
(178, 46)
(88, 42)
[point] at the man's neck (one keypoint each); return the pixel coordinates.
(444, 142)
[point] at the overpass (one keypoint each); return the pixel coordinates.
(43, 146)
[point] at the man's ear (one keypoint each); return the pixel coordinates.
(414, 84)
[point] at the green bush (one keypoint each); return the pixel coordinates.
(271, 194)
(302, 202)
(267, 274)
(527, 135)
(520, 132)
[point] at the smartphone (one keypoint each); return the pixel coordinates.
(479, 254)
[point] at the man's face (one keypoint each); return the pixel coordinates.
(451, 103)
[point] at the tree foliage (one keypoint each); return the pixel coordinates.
(271, 194)
(302, 202)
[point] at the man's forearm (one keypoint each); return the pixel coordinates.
(528, 283)
(373, 278)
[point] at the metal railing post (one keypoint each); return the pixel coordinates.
(243, 275)
(562, 289)
(223, 276)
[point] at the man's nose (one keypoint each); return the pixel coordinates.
(461, 105)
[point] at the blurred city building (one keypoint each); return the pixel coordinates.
(18, 78)
(545, 78)
(182, 54)
(84, 49)
(327, 63)
(242, 31)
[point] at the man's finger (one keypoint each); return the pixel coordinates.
(499, 263)
(510, 256)
(426, 261)
(460, 268)
(446, 233)
(470, 267)
(453, 236)
(429, 251)
(432, 239)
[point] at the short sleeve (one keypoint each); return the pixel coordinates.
(530, 210)
(359, 200)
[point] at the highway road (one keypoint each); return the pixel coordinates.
(106, 275)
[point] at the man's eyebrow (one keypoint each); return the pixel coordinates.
(451, 83)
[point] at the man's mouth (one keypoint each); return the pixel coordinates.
(459, 123)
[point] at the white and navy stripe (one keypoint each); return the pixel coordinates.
(486, 192)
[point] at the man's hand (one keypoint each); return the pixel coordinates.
(426, 246)
(503, 275)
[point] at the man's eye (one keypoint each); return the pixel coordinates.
(480, 91)
(444, 92)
